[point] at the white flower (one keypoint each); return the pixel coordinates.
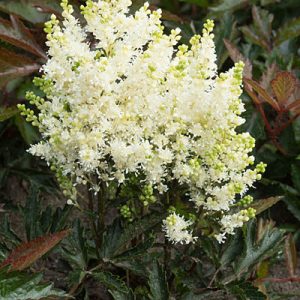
(133, 102)
(176, 229)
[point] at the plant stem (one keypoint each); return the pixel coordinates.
(93, 224)
(101, 213)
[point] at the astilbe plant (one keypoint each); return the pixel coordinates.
(138, 104)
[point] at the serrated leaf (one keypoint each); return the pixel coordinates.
(252, 36)
(117, 295)
(283, 86)
(263, 23)
(7, 112)
(231, 5)
(289, 30)
(111, 281)
(27, 253)
(262, 93)
(290, 254)
(236, 56)
(139, 250)
(23, 286)
(254, 252)
(263, 204)
(267, 76)
(14, 65)
(232, 248)
(158, 283)
(17, 34)
(245, 291)
(116, 237)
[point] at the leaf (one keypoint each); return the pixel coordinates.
(245, 291)
(263, 23)
(295, 174)
(24, 9)
(283, 86)
(289, 30)
(17, 34)
(7, 113)
(27, 131)
(254, 252)
(138, 250)
(225, 30)
(231, 5)
(201, 3)
(27, 253)
(158, 283)
(262, 93)
(236, 56)
(23, 286)
(115, 238)
(254, 122)
(112, 282)
(6, 231)
(32, 213)
(267, 76)
(233, 248)
(290, 254)
(254, 38)
(263, 204)
(41, 179)
(117, 295)
(291, 199)
(14, 65)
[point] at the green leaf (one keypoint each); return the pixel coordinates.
(201, 3)
(232, 250)
(263, 23)
(253, 37)
(289, 30)
(24, 9)
(117, 295)
(158, 283)
(231, 5)
(31, 213)
(7, 113)
(23, 286)
(293, 204)
(245, 291)
(254, 252)
(254, 123)
(295, 173)
(112, 282)
(27, 131)
(8, 236)
(138, 250)
(226, 30)
(116, 238)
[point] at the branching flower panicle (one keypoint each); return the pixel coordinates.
(134, 101)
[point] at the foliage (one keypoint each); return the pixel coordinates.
(120, 257)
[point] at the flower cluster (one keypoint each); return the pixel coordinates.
(133, 101)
